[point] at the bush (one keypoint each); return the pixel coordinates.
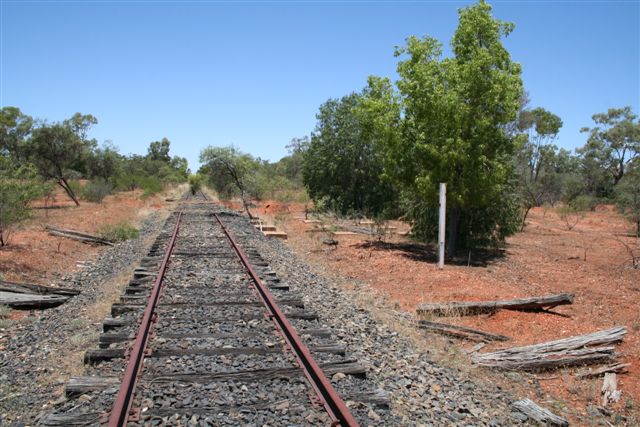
(96, 190)
(128, 182)
(19, 185)
(151, 185)
(76, 187)
(119, 232)
(571, 215)
(628, 198)
(584, 203)
(195, 183)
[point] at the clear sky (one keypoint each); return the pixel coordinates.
(253, 74)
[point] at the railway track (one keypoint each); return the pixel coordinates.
(207, 334)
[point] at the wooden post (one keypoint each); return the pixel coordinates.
(441, 223)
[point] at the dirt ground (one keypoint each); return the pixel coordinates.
(34, 256)
(592, 261)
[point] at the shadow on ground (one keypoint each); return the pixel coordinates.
(428, 253)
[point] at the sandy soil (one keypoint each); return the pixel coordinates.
(592, 260)
(34, 256)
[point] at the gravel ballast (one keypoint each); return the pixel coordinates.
(31, 378)
(422, 393)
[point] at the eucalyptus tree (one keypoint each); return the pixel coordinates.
(611, 146)
(536, 157)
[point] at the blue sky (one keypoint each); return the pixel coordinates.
(253, 74)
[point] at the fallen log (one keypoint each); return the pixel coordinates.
(17, 300)
(460, 331)
(34, 289)
(538, 413)
(618, 368)
(76, 235)
(578, 350)
(457, 308)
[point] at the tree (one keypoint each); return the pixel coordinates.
(342, 164)
(455, 112)
(627, 198)
(19, 185)
(15, 128)
(231, 165)
(612, 144)
(291, 166)
(536, 157)
(56, 151)
(80, 125)
(159, 150)
(105, 162)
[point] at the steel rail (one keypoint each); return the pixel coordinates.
(328, 396)
(124, 399)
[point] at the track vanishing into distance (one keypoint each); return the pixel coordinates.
(207, 334)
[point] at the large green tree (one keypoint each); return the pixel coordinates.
(455, 112)
(342, 164)
(57, 151)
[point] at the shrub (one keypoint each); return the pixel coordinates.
(195, 183)
(584, 203)
(76, 187)
(19, 185)
(570, 215)
(119, 232)
(628, 198)
(96, 190)
(151, 185)
(128, 182)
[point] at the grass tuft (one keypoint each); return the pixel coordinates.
(119, 232)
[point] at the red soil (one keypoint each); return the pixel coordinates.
(591, 260)
(33, 255)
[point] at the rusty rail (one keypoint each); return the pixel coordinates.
(122, 406)
(327, 395)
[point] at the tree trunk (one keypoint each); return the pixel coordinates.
(65, 185)
(243, 196)
(527, 208)
(452, 225)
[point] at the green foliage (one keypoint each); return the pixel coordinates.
(96, 190)
(105, 163)
(56, 150)
(15, 128)
(159, 151)
(455, 111)
(627, 197)
(63, 152)
(230, 170)
(150, 185)
(19, 185)
(195, 183)
(613, 144)
(119, 232)
(584, 203)
(342, 162)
